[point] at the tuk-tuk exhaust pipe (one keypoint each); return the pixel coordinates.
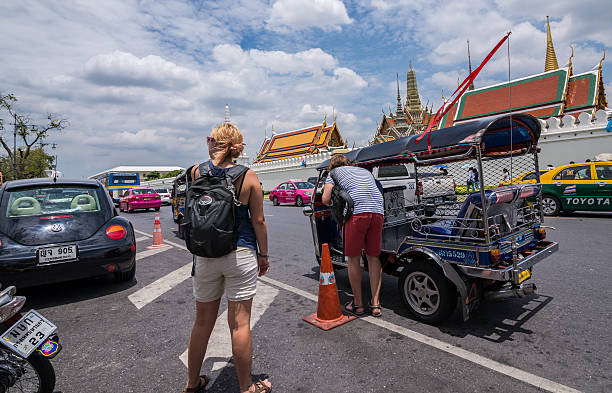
(522, 291)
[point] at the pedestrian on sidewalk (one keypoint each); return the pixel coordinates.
(234, 274)
(362, 230)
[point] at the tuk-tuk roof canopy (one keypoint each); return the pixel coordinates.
(492, 134)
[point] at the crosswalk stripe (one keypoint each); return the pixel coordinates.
(177, 245)
(219, 350)
(149, 293)
(148, 253)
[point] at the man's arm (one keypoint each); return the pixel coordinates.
(327, 190)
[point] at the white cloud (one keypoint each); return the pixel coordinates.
(125, 69)
(288, 15)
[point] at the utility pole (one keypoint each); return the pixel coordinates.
(15, 146)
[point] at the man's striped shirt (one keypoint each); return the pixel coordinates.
(361, 186)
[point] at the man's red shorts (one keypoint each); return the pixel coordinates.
(363, 230)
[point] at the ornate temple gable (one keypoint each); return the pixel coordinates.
(582, 93)
(531, 93)
(301, 142)
(449, 118)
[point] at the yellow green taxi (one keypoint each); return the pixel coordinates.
(583, 186)
(527, 177)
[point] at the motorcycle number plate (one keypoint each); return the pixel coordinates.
(28, 333)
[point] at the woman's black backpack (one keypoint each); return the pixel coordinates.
(210, 224)
(342, 203)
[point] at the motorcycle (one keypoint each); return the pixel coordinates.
(27, 342)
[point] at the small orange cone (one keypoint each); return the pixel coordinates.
(158, 241)
(328, 315)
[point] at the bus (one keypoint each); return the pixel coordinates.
(117, 183)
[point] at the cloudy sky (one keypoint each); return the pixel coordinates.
(143, 82)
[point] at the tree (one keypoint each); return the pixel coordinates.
(171, 174)
(28, 160)
(152, 175)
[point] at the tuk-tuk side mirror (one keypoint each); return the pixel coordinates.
(307, 211)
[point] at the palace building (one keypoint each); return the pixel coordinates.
(408, 119)
(299, 143)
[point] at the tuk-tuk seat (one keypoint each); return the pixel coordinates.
(466, 218)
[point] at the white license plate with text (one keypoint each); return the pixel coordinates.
(28, 333)
(56, 254)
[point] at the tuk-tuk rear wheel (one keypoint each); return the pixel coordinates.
(429, 295)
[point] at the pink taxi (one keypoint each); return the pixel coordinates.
(140, 198)
(298, 192)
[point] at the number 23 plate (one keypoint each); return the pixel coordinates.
(28, 333)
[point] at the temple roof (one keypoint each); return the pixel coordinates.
(521, 95)
(299, 143)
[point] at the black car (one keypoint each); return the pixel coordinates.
(52, 231)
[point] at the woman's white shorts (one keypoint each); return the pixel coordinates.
(234, 273)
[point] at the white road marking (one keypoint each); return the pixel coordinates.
(177, 245)
(141, 238)
(482, 361)
(219, 350)
(148, 253)
(147, 294)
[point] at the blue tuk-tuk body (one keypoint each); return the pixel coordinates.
(456, 249)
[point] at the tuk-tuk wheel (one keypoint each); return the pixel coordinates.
(429, 295)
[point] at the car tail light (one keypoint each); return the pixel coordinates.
(540, 233)
(420, 188)
(11, 308)
(0, 243)
(495, 256)
(116, 232)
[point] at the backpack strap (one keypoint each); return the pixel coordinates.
(334, 177)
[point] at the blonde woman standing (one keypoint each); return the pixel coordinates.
(234, 274)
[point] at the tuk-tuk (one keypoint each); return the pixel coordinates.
(482, 244)
(179, 191)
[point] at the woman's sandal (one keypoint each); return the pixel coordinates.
(200, 387)
(352, 308)
(260, 387)
(375, 307)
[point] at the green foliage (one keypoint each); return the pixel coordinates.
(171, 174)
(152, 175)
(27, 160)
(34, 166)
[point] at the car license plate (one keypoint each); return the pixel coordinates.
(28, 333)
(55, 254)
(525, 274)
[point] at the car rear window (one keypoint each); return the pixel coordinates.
(38, 201)
(143, 191)
(303, 185)
(392, 171)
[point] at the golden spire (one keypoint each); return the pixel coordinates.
(570, 61)
(551, 59)
(470, 66)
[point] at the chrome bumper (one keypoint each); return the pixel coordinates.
(508, 274)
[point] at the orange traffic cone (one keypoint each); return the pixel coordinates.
(158, 241)
(328, 315)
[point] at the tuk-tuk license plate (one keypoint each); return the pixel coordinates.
(28, 333)
(525, 274)
(56, 254)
